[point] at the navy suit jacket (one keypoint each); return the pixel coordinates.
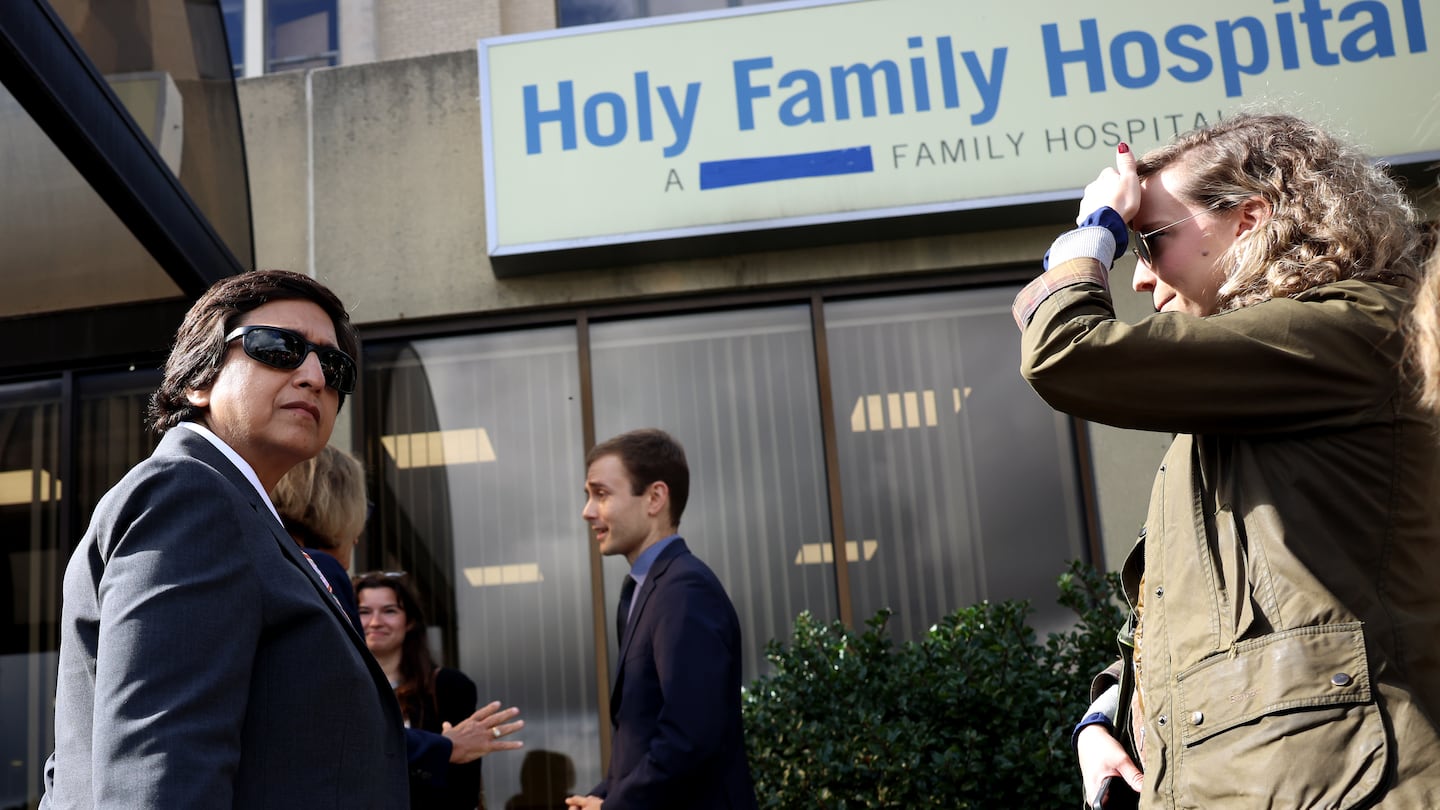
(339, 581)
(189, 618)
(675, 707)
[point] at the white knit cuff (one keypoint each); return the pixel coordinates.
(1107, 704)
(1095, 242)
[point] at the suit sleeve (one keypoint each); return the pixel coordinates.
(428, 755)
(696, 659)
(179, 623)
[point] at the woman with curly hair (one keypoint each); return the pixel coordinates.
(1425, 331)
(1281, 650)
(429, 696)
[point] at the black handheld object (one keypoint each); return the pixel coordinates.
(1115, 794)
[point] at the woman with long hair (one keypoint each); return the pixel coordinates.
(429, 696)
(1281, 650)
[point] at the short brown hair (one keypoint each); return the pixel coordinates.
(649, 455)
(322, 499)
(199, 348)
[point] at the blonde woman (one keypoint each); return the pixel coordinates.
(1425, 333)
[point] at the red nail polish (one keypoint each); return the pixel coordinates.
(1123, 147)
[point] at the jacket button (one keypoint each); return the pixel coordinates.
(1341, 679)
(1162, 720)
(1197, 718)
(1142, 532)
(1160, 591)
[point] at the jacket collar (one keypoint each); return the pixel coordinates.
(188, 443)
(652, 580)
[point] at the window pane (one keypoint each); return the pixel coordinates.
(111, 436)
(302, 34)
(233, 14)
(169, 64)
(738, 390)
(478, 468)
(30, 570)
(35, 497)
(64, 248)
(958, 481)
(584, 12)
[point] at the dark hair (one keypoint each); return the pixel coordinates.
(416, 690)
(649, 455)
(199, 348)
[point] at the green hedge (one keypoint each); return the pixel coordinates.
(976, 714)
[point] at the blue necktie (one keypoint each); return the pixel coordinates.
(622, 615)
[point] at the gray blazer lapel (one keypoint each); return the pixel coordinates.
(184, 442)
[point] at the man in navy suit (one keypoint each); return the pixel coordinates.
(190, 615)
(675, 707)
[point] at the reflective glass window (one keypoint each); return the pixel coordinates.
(301, 34)
(110, 432)
(63, 246)
(31, 561)
(585, 12)
(958, 481)
(233, 13)
(169, 64)
(739, 391)
(475, 448)
(45, 505)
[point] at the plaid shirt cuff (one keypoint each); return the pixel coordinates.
(1065, 275)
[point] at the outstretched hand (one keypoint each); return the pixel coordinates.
(1118, 188)
(481, 733)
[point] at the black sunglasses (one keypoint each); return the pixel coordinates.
(1142, 249)
(283, 349)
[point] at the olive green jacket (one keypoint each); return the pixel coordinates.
(1291, 553)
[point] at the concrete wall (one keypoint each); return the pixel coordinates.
(275, 117)
(371, 178)
(375, 30)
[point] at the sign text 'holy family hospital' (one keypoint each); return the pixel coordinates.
(802, 112)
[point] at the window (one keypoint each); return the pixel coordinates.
(300, 34)
(738, 390)
(30, 568)
(955, 483)
(44, 508)
(585, 12)
(475, 447)
(958, 480)
(233, 13)
(295, 34)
